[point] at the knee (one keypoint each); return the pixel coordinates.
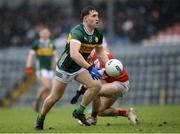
(101, 110)
(46, 89)
(100, 113)
(96, 86)
(48, 86)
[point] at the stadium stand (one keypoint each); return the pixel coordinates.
(169, 36)
(153, 74)
(144, 19)
(152, 71)
(12, 78)
(150, 28)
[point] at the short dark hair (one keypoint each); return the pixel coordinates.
(85, 11)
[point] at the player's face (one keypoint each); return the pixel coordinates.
(92, 19)
(44, 34)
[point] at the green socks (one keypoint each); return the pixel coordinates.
(80, 109)
(42, 117)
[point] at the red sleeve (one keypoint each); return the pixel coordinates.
(110, 56)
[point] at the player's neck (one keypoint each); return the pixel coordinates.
(43, 39)
(87, 29)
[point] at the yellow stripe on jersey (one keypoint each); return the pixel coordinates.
(69, 38)
(44, 52)
(87, 48)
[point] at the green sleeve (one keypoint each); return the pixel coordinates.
(101, 39)
(76, 34)
(54, 47)
(35, 45)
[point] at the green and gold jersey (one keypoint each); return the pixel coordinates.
(88, 43)
(44, 53)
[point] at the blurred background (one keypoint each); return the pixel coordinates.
(143, 34)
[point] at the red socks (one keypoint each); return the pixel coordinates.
(122, 112)
(94, 114)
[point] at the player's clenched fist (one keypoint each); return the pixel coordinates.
(29, 71)
(94, 71)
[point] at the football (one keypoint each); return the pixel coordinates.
(113, 67)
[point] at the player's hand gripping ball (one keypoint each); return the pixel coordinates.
(113, 67)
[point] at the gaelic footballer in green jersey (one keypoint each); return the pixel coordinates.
(44, 59)
(88, 43)
(44, 54)
(73, 65)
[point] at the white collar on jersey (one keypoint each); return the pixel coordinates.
(44, 41)
(88, 30)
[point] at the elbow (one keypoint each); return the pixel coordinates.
(73, 55)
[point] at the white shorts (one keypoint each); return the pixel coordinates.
(66, 77)
(45, 73)
(123, 87)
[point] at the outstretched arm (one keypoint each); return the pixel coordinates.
(75, 54)
(29, 63)
(30, 59)
(101, 54)
(79, 59)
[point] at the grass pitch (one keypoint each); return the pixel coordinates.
(154, 119)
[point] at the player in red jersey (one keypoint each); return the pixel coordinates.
(112, 89)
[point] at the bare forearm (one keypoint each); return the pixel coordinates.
(78, 58)
(103, 57)
(29, 60)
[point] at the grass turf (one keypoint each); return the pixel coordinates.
(154, 119)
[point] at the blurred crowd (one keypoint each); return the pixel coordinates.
(134, 20)
(19, 26)
(168, 36)
(138, 19)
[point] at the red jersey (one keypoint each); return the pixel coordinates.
(122, 77)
